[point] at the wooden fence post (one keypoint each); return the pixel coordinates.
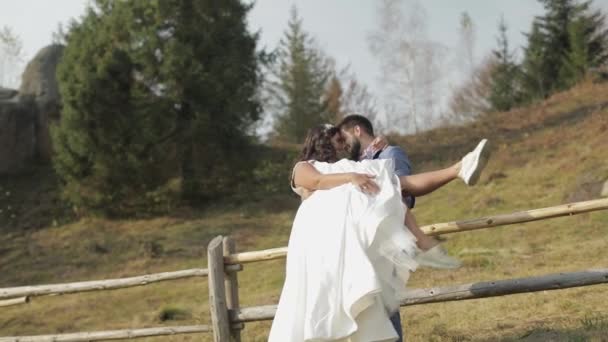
(232, 290)
(217, 291)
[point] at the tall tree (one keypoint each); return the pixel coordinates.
(11, 58)
(210, 73)
(153, 90)
(504, 92)
(577, 61)
(298, 82)
(357, 98)
(467, 44)
(588, 36)
(411, 64)
(471, 99)
(333, 100)
(347, 95)
(577, 38)
(535, 72)
(98, 141)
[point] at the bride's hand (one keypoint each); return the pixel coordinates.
(365, 183)
(379, 143)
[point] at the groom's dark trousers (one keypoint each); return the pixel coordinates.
(396, 320)
(402, 168)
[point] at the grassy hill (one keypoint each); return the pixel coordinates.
(547, 154)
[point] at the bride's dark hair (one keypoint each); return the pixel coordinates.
(317, 145)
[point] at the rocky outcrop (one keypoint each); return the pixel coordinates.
(26, 115)
(7, 94)
(39, 81)
(17, 133)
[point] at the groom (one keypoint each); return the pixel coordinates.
(358, 139)
(358, 134)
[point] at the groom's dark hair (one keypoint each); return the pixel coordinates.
(350, 121)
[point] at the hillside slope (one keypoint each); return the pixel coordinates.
(544, 155)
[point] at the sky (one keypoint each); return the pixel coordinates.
(341, 27)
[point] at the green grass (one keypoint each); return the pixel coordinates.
(544, 155)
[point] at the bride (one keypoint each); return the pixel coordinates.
(349, 254)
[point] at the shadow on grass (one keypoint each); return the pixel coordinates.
(538, 334)
(556, 335)
(31, 200)
(590, 328)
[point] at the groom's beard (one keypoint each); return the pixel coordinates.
(355, 150)
(342, 154)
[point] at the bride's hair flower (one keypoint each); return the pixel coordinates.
(328, 126)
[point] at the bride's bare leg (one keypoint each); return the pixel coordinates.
(424, 242)
(468, 169)
(423, 183)
(433, 254)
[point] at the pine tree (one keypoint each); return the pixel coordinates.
(554, 26)
(209, 70)
(154, 90)
(332, 100)
(588, 39)
(535, 76)
(504, 93)
(99, 139)
(576, 62)
(595, 33)
(575, 38)
(301, 74)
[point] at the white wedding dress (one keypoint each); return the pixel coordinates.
(349, 258)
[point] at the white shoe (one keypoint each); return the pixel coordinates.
(474, 162)
(437, 257)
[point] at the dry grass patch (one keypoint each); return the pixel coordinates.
(542, 155)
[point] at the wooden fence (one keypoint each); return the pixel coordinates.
(227, 318)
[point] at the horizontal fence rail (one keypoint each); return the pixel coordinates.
(455, 226)
(234, 260)
(248, 257)
(463, 292)
(108, 284)
(228, 318)
(111, 335)
(14, 301)
(556, 281)
(518, 217)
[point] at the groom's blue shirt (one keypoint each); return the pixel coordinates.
(403, 166)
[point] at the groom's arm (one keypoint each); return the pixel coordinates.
(403, 167)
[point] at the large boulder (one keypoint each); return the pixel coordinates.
(39, 81)
(17, 134)
(25, 115)
(39, 77)
(7, 94)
